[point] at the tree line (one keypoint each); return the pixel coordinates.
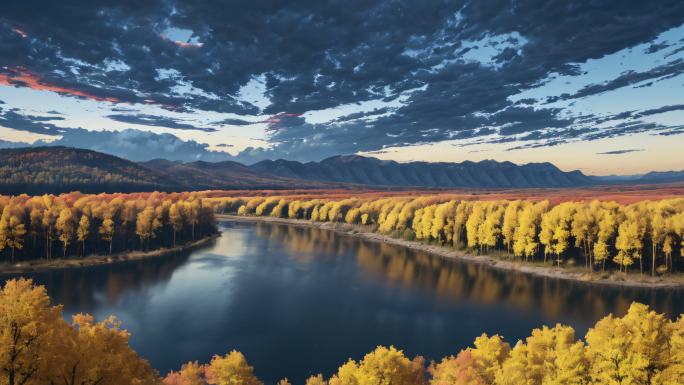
(601, 234)
(640, 348)
(38, 347)
(48, 226)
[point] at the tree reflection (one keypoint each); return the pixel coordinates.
(453, 280)
(83, 288)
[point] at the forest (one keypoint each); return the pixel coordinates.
(76, 225)
(37, 347)
(644, 236)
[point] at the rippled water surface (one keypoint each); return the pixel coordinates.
(299, 300)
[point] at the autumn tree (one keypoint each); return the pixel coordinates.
(231, 369)
(66, 227)
(191, 373)
(383, 366)
(176, 220)
(83, 231)
(106, 231)
(628, 350)
(316, 380)
(472, 366)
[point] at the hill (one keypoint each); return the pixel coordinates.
(60, 169)
(63, 169)
(370, 171)
(225, 175)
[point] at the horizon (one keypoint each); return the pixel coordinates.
(450, 83)
(249, 164)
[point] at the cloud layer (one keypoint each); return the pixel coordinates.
(384, 73)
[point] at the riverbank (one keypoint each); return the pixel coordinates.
(577, 274)
(93, 260)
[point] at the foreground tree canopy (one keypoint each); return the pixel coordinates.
(37, 347)
(641, 348)
(74, 224)
(599, 233)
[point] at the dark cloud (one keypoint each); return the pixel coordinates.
(662, 72)
(158, 121)
(138, 145)
(321, 54)
(131, 144)
(234, 122)
(620, 152)
(661, 110)
(30, 123)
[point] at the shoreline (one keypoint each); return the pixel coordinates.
(627, 281)
(42, 265)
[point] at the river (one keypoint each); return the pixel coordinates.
(298, 301)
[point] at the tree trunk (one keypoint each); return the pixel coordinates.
(653, 258)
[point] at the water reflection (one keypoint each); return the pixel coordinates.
(302, 300)
(84, 289)
(455, 280)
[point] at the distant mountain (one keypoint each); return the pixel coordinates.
(62, 169)
(662, 177)
(648, 178)
(370, 171)
(203, 175)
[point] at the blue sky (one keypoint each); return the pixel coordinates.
(596, 85)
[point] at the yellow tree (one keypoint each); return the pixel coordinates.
(4, 232)
(548, 356)
(629, 350)
(510, 222)
(28, 325)
(490, 230)
(658, 231)
(192, 214)
(15, 234)
(472, 366)
(176, 220)
(475, 219)
(83, 231)
(383, 366)
(65, 227)
(673, 373)
(191, 373)
(106, 231)
(97, 353)
(49, 217)
(584, 230)
(231, 369)
(316, 380)
(607, 223)
(460, 217)
(526, 240)
(629, 243)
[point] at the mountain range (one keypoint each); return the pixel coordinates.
(62, 169)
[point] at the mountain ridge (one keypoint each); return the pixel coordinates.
(37, 170)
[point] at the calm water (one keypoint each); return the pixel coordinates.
(299, 301)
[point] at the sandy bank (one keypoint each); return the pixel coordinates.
(574, 274)
(92, 260)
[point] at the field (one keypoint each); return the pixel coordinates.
(619, 194)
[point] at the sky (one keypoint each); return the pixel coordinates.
(595, 85)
